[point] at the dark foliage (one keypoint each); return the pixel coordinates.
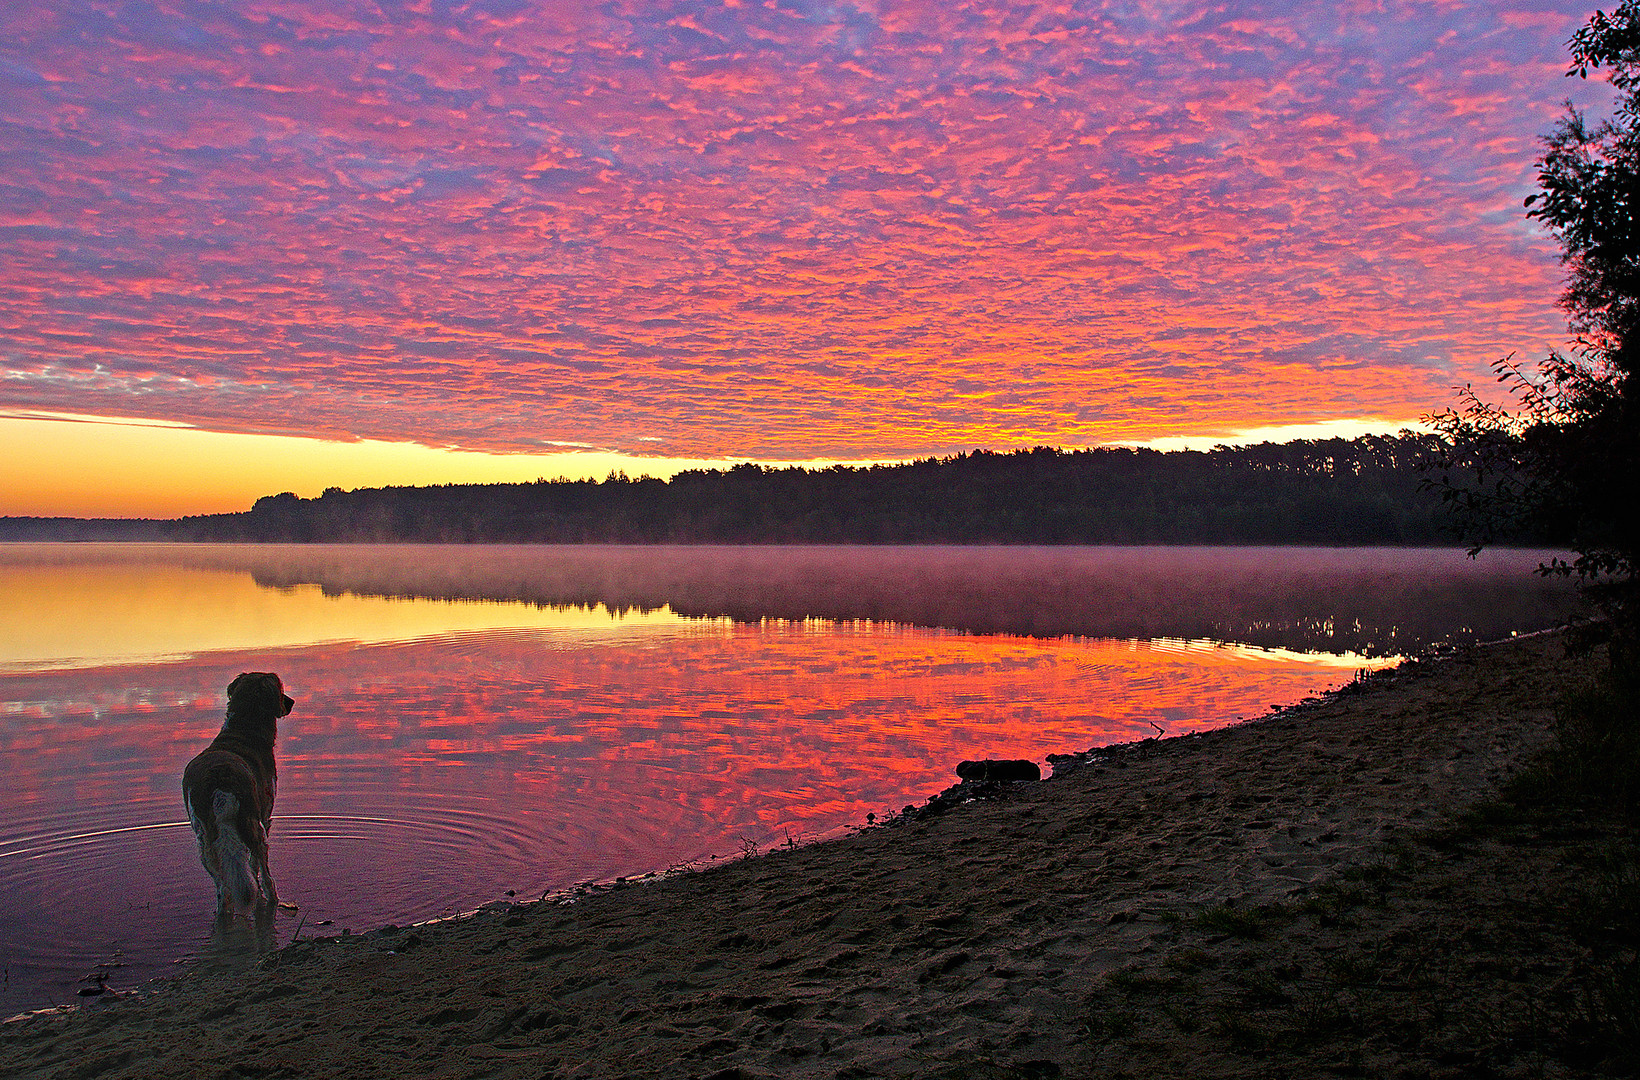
(1569, 455)
(1335, 491)
(13, 529)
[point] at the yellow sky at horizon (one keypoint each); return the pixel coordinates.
(65, 465)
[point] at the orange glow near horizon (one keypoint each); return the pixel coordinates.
(95, 467)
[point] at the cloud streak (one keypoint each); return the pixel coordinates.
(779, 229)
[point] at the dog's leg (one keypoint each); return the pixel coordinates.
(270, 893)
(209, 859)
(259, 865)
(238, 850)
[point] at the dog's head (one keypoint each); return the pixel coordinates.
(259, 695)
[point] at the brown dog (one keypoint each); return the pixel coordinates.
(228, 790)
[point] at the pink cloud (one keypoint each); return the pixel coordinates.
(777, 231)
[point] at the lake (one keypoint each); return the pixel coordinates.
(474, 723)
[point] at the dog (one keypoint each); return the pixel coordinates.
(228, 791)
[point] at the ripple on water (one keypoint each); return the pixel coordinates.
(121, 889)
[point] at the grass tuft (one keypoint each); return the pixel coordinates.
(1263, 990)
(1244, 1036)
(1594, 760)
(1136, 981)
(1250, 924)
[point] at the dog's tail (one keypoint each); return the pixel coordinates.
(232, 855)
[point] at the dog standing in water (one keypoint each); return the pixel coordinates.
(228, 790)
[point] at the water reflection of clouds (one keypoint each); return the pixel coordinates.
(467, 749)
(737, 702)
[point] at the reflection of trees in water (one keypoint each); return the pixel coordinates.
(1333, 634)
(1372, 601)
(1376, 601)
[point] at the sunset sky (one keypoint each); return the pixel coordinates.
(255, 246)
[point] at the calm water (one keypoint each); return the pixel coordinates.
(476, 720)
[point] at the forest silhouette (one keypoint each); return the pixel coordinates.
(1368, 490)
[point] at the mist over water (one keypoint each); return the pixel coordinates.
(475, 720)
(1376, 601)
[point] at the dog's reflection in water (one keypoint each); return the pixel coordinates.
(237, 943)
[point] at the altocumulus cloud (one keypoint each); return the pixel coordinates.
(781, 229)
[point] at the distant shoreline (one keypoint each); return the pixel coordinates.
(1374, 490)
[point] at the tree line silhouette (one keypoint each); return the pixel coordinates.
(1368, 490)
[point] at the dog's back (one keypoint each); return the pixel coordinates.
(228, 791)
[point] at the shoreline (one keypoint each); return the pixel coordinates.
(963, 935)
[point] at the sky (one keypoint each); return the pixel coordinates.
(258, 246)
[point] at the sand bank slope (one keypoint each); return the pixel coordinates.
(983, 941)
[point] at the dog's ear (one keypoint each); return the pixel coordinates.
(237, 679)
(290, 703)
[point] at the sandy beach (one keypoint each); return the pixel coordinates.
(1273, 898)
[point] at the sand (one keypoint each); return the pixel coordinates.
(1121, 918)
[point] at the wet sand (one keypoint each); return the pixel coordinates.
(1085, 925)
